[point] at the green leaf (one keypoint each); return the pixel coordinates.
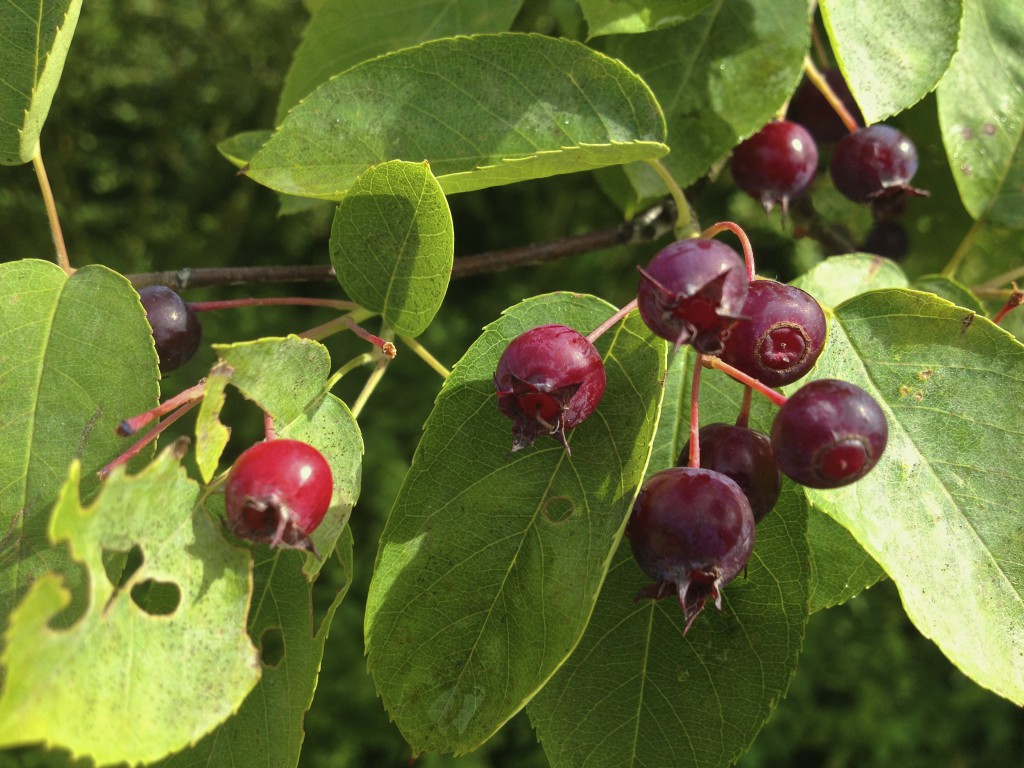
(34, 41)
(118, 652)
(840, 568)
(839, 278)
(637, 693)
(240, 148)
(393, 244)
(981, 111)
(940, 512)
(624, 17)
(76, 358)
(286, 378)
(211, 434)
(482, 110)
(268, 730)
(343, 33)
(891, 54)
(719, 76)
(490, 564)
(950, 290)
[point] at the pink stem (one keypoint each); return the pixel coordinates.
(135, 423)
(208, 306)
(268, 426)
(385, 346)
(736, 229)
(776, 397)
(694, 418)
(1015, 300)
(147, 439)
(598, 332)
(743, 418)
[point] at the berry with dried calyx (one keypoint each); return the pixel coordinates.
(692, 532)
(875, 163)
(277, 493)
(776, 164)
(691, 293)
(548, 380)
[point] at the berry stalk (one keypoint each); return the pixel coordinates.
(694, 460)
(818, 79)
(736, 229)
(598, 332)
(776, 397)
(191, 395)
(1015, 300)
(147, 439)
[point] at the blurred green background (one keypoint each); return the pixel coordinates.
(149, 90)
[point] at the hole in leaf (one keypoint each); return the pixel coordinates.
(157, 598)
(272, 646)
(121, 566)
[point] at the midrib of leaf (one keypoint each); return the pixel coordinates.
(405, 244)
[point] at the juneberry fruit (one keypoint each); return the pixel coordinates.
(874, 162)
(691, 531)
(278, 492)
(810, 108)
(691, 293)
(781, 334)
(775, 164)
(829, 433)
(743, 455)
(176, 329)
(548, 381)
(888, 239)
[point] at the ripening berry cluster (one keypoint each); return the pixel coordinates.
(692, 527)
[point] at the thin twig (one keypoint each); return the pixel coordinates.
(819, 81)
(51, 211)
(424, 354)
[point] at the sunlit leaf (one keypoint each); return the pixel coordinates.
(616, 17)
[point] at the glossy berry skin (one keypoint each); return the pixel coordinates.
(548, 381)
(829, 433)
(692, 292)
(776, 164)
(809, 108)
(691, 531)
(746, 457)
(781, 336)
(278, 492)
(874, 162)
(176, 329)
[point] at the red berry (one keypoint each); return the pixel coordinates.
(692, 292)
(692, 531)
(830, 433)
(548, 381)
(874, 162)
(278, 492)
(775, 164)
(176, 329)
(781, 335)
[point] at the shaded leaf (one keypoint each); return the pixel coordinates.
(76, 358)
(617, 17)
(840, 568)
(839, 278)
(343, 33)
(720, 76)
(240, 148)
(891, 54)
(482, 110)
(393, 244)
(637, 693)
(34, 42)
(119, 652)
(950, 290)
(981, 111)
(490, 564)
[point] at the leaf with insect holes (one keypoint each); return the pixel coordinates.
(393, 244)
(121, 647)
(490, 564)
(483, 110)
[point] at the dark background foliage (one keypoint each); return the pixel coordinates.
(130, 146)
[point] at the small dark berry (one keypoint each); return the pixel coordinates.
(829, 433)
(775, 164)
(743, 455)
(888, 239)
(278, 492)
(176, 329)
(548, 381)
(874, 162)
(691, 293)
(781, 335)
(692, 531)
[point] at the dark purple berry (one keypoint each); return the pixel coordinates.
(775, 164)
(278, 492)
(888, 239)
(691, 293)
(692, 531)
(874, 162)
(548, 381)
(828, 434)
(810, 108)
(781, 334)
(176, 329)
(745, 456)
